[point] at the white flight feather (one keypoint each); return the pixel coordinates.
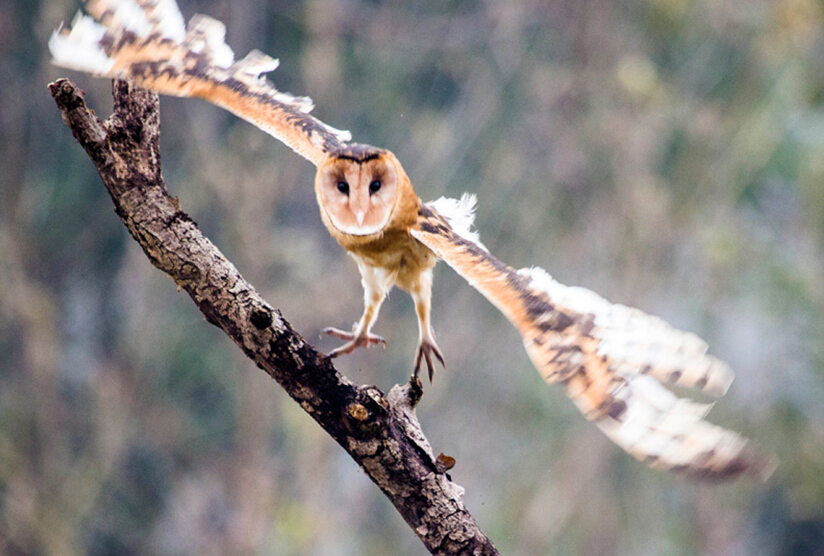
(131, 16)
(256, 62)
(166, 18)
(634, 339)
(460, 214)
(659, 424)
(210, 34)
(80, 48)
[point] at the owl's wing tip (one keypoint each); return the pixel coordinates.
(764, 466)
(750, 463)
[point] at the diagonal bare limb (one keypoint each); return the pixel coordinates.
(381, 433)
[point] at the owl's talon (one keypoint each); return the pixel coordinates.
(426, 349)
(354, 341)
(338, 333)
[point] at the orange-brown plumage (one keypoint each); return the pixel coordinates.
(612, 360)
(368, 205)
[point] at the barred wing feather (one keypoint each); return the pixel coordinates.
(610, 359)
(146, 40)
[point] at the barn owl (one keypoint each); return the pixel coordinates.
(613, 361)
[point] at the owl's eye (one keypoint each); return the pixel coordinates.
(375, 186)
(343, 187)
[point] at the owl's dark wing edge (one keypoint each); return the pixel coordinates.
(611, 359)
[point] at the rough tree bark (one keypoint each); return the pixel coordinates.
(380, 432)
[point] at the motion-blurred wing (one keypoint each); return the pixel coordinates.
(146, 40)
(610, 358)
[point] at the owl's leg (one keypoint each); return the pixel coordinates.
(422, 296)
(376, 284)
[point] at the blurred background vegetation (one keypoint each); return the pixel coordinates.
(668, 154)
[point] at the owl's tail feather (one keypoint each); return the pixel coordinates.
(611, 359)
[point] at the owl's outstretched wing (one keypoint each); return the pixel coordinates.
(611, 359)
(146, 40)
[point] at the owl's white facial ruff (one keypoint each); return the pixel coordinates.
(358, 191)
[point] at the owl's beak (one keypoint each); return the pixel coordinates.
(360, 216)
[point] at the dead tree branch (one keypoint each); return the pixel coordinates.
(380, 432)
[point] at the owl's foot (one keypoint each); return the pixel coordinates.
(426, 349)
(353, 340)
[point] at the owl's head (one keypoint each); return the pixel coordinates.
(357, 188)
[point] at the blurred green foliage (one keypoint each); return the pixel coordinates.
(665, 153)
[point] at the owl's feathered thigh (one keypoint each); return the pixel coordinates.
(611, 359)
